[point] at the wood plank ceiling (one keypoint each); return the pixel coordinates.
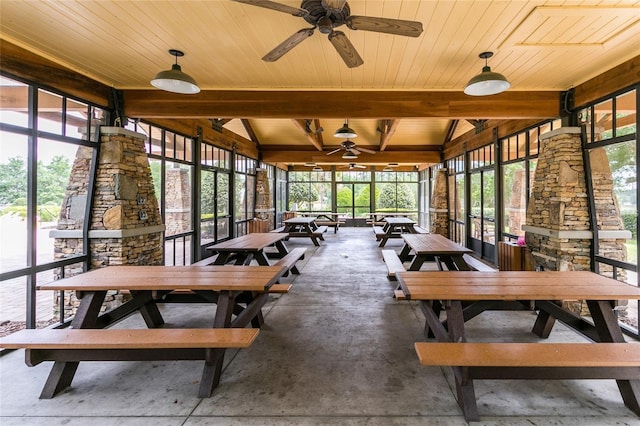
(540, 46)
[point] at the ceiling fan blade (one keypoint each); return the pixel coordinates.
(288, 44)
(346, 50)
(368, 151)
(295, 11)
(334, 151)
(359, 166)
(354, 151)
(336, 5)
(385, 25)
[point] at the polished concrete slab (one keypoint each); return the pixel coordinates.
(337, 349)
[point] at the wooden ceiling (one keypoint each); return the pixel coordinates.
(406, 97)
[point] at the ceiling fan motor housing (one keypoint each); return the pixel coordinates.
(317, 12)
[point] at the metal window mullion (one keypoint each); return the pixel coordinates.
(32, 204)
(595, 246)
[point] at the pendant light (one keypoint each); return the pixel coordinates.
(174, 80)
(317, 169)
(345, 131)
(487, 82)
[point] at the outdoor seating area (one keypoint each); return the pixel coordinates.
(305, 355)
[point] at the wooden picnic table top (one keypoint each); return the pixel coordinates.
(399, 220)
(300, 220)
(434, 244)
(513, 285)
(145, 278)
(249, 242)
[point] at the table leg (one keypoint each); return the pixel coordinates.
(464, 385)
(214, 358)
(149, 311)
(222, 258)
(62, 373)
(608, 330)
(404, 253)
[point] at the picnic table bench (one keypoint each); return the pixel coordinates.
(75, 345)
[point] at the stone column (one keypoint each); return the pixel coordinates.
(439, 210)
(264, 210)
(125, 223)
(558, 229)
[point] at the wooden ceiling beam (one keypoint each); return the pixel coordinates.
(333, 104)
(403, 157)
(305, 127)
(388, 129)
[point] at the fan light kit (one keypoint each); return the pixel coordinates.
(487, 82)
(349, 156)
(325, 15)
(174, 80)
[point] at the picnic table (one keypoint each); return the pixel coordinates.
(393, 228)
(433, 247)
(466, 294)
(304, 227)
(377, 218)
(247, 247)
(332, 220)
(239, 292)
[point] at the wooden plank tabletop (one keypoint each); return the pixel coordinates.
(249, 242)
(434, 244)
(513, 285)
(214, 278)
(398, 220)
(300, 220)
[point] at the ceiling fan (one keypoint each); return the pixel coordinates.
(352, 166)
(325, 15)
(350, 147)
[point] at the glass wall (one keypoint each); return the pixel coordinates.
(310, 191)
(457, 205)
(244, 192)
(215, 214)
(397, 192)
(612, 143)
(44, 137)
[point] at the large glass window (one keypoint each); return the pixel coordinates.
(397, 192)
(46, 148)
(611, 127)
(310, 191)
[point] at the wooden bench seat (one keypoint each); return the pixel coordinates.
(280, 288)
(393, 262)
(478, 265)
(420, 230)
(75, 345)
(498, 361)
(280, 229)
(206, 261)
(330, 224)
(290, 259)
(379, 232)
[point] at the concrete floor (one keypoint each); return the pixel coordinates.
(336, 350)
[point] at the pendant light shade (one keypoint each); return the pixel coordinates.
(317, 169)
(345, 132)
(174, 80)
(487, 82)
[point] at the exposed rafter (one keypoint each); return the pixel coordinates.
(252, 135)
(305, 127)
(388, 128)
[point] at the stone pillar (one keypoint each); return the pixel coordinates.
(125, 223)
(264, 210)
(178, 201)
(439, 210)
(558, 230)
